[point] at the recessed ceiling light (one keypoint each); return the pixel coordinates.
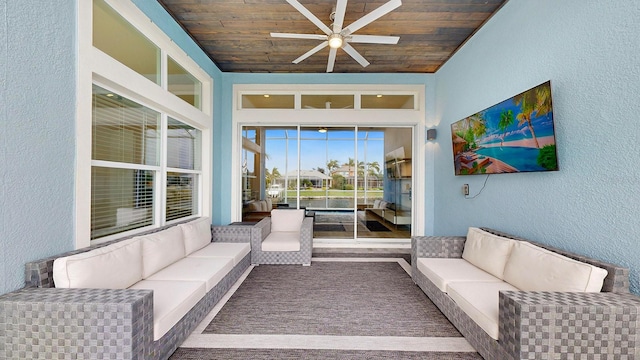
(379, 95)
(110, 95)
(266, 95)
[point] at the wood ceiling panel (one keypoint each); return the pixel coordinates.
(236, 33)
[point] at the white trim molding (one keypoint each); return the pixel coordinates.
(413, 118)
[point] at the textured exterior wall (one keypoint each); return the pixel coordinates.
(37, 124)
(589, 51)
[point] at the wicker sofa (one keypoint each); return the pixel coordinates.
(553, 324)
(58, 315)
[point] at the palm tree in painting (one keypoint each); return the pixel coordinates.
(543, 100)
(506, 119)
(535, 101)
(475, 128)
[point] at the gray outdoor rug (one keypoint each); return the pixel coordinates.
(295, 354)
(331, 298)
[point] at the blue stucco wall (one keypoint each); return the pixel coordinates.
(588, 49)
(37, 133)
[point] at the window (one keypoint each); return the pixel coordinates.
(119, 39)
(182, 84)
(380, 101)
(184, 164)
(267, 101)
(127, 167)
(146, 158)
(327, 101)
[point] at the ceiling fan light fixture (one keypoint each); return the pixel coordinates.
(335, 41)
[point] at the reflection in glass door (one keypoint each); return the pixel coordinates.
(328, 179)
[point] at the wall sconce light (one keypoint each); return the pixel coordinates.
(431, 134)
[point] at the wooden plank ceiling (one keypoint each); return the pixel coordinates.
(235, 33)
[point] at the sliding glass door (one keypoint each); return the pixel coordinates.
(327, 175)
(355, 181)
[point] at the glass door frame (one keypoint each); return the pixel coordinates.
(414, 118)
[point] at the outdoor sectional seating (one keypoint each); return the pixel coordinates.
(515, 299)
(133, 298)
(286, 237)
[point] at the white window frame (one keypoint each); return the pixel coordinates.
(96, 67)
(415, 118)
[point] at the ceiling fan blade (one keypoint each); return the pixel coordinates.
(303, 10)
(311, 52)
(338, 20)
(374, 39)
(300, 36)
(355, 55)
(332, 59)
(371, 17)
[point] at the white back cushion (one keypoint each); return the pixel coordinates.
(286, 220)
(253, 206)
(532, 268)
(487, 251)
(196, 234)
(161, 249)
(115, 266)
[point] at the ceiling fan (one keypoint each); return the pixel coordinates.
(338, 37)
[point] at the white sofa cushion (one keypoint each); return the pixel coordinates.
(161, 249)
(196, 234)
(286, 220)
(254, 206)
(487, 251)
(115, 266)
(479, 300)
(236, 251)
(532, 268)
(208, 270)
(282, 241)
(171, 301)
(442, 271)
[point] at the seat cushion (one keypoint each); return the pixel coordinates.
(442, 271)
(208, 270)
(480, 301)
(282, 241)
(286, 220)
(161, 249)
(115, 266)
(487, 251)
(532, 268)
(235, 251)
(171, 301)
(196, 234)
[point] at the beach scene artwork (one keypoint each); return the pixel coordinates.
(516, 135)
